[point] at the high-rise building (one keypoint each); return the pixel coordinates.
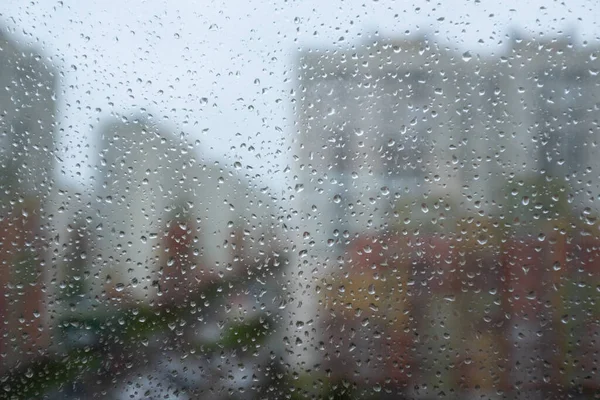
(377, 123)
(27, 144)
(391, 122)
(162, 221)
(400, 139)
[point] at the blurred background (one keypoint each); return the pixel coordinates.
(341, 200)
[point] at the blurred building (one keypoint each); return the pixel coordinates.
(532, 111)
(379, 126)
(429, 177)
(162, 235)
(28, 110)
(27, 143)
(162, 222)
(377, 123)
(392, 121)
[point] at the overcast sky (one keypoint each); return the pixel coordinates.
(222, 71)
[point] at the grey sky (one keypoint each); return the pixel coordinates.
(167, 57)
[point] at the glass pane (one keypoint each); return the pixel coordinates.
(299, 200)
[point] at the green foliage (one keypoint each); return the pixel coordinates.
(246, 334)
(125, 330)
(31, 381)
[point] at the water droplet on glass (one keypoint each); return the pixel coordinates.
(556, 266)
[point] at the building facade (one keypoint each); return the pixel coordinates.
(453, 154)
(162, 222)
(27, 145)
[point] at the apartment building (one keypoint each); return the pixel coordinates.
(158, 207)
(409, 138)
(27, 144)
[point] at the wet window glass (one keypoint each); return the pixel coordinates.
(313, 200)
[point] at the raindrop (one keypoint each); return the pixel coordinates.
(556, 266)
